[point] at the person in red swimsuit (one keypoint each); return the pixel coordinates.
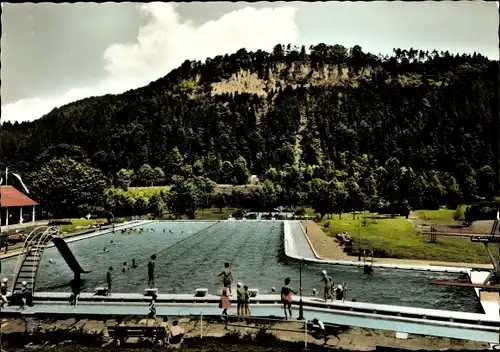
(225, 301)
(286, 297)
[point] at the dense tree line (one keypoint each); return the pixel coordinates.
(336, 128)
(66, 187)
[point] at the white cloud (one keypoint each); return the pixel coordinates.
(163, 44)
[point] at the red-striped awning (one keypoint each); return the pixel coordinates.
(11, 197)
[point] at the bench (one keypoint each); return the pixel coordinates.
(120, 334)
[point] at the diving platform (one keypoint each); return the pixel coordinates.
(428, 322)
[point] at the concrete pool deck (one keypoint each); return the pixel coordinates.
(428, 322)
(356, 339)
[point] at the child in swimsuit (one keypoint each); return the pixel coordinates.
(227, 276)
(286, 297)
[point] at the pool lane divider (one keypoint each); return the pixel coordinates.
(215, 223)
(187, 238)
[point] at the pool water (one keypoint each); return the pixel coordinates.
(190, 255)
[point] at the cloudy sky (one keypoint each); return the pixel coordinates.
(53, 54)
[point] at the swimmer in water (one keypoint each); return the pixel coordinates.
(125, 267)
(111, 242)
(134, 265)
(104, 249)
(50, 261)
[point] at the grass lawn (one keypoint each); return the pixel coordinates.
(214, 213)
(146, 192)
(80, 223)
(398, 238)
(441, 216)
(443, 220)
(210, 214)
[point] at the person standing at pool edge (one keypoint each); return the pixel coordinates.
(329, 285)
(240, 295)
(246, 306)
(225, 301)
(286, 297)
(227, 276)
(109, 279)
(151, 272)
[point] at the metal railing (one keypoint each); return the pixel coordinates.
(46, 236)
(24, 250)
(35, 238)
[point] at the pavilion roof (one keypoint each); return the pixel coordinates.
(11, 197)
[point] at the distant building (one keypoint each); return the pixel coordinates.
(12, 205)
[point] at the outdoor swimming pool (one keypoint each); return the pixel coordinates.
(191, 255)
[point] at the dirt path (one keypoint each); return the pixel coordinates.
(326, 247)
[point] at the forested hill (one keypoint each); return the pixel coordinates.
(332, 106)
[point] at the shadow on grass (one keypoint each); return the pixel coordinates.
(78, 340)
(54, 337)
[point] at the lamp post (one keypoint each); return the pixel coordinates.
(496, 112)
(113, 220)
(307, 221)
(301, 304)
(112, 217)
(497, 118)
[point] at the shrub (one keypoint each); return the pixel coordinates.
(238, 214)
(459, 214)
(60, 222)
(233, 336)
(365, 221)
(300, 212)
(265, 338)
(481, 211)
